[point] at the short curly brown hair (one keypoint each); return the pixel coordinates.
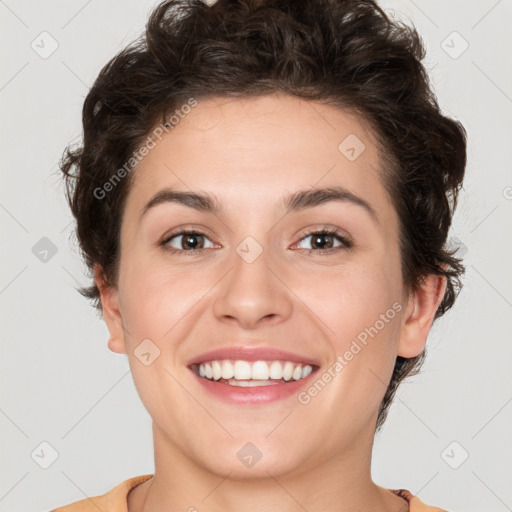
(346, 53)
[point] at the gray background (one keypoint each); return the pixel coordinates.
(60, 383)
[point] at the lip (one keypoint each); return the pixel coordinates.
(255, 395)
(258, 394)
(252, 354)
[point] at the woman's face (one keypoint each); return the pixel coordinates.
(255, 277)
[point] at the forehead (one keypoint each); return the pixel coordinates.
(254, 151)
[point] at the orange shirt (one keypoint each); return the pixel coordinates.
(115, 499)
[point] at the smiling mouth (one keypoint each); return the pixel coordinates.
(252, 373)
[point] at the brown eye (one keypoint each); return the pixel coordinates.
(186, 241)
(325, 240)
(322, 241)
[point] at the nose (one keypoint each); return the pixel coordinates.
(253, 293)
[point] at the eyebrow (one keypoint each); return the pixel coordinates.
(297, 201)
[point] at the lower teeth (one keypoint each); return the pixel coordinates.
(251, 383)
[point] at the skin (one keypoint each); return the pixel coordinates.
(250, 153)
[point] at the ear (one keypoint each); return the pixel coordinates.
(111, 312)
(419, 315)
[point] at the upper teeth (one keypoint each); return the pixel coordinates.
(258, 370)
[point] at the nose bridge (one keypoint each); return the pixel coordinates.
(252, 293)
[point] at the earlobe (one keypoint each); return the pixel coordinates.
(420, 312)
(111, 312)
(116, 345)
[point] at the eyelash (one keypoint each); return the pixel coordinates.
(347, 244)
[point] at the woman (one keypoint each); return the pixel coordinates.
(263, 197)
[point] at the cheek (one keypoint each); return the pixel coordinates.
(360, 312)
(157, 306)
(156, 294)
(363, 317)
(352, 300)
